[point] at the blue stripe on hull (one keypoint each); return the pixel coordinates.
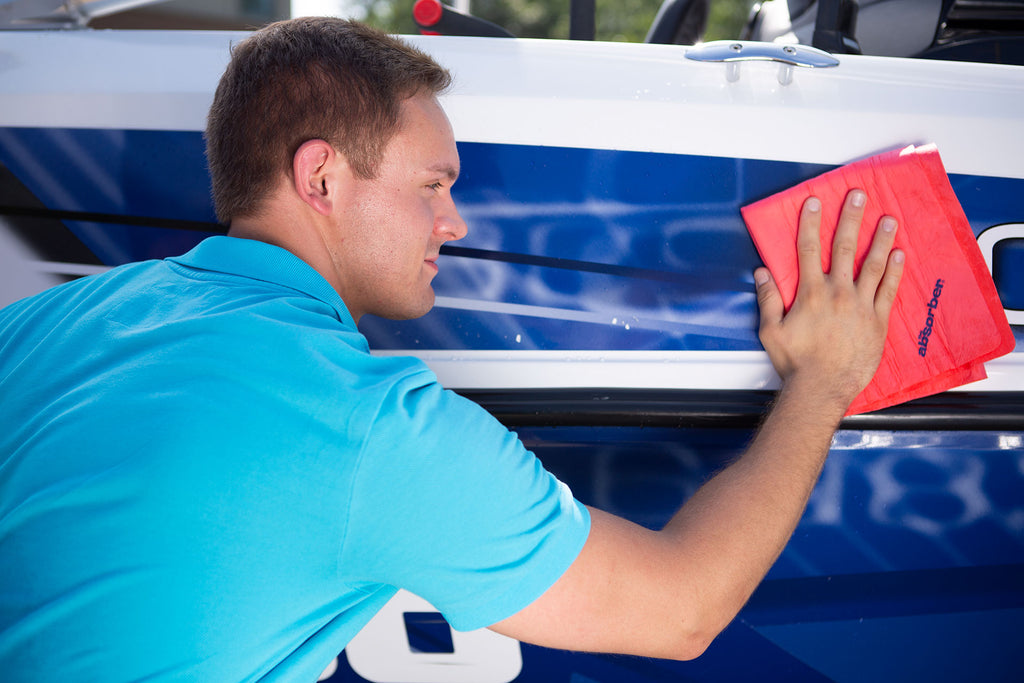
(583, 249)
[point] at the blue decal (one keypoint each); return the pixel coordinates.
(1007, 267)
(908, 564)
(568, 248)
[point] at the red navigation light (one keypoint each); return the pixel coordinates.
(427, 12)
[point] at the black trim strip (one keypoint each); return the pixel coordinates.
(951, 411)
(112, 218)
(48, 237)
(570, 264)
(463, 252)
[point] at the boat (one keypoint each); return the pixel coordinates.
(603, 306)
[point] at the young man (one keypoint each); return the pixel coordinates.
(206, 476)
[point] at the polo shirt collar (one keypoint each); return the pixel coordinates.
(266, 262)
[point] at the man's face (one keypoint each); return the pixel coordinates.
(387, 251)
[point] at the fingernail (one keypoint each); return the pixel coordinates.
(760, 277)
(858, 198)
(813, 204)
(898, 256)
(888, 224)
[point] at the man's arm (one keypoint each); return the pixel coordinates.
(668, 593)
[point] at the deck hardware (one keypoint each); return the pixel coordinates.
(734, 52)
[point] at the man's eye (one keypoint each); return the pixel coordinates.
(435, 186)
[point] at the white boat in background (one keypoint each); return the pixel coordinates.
(603, 306)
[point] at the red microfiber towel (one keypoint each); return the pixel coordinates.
(947, 319)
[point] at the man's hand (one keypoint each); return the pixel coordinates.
(831, 340)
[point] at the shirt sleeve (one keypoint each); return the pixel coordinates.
(449, 504)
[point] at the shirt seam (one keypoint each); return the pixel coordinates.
(356, 471)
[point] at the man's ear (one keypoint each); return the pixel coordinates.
(316, 173)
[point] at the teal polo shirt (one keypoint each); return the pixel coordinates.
(206, 476)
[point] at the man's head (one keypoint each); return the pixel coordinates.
(305, 79)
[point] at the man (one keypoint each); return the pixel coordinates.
(206, 476)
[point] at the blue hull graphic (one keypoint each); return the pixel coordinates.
(907, 566)
(569, 249)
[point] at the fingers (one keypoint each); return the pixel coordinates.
(808, 244)
(880, 270)
(877, 259)
(772, 310)
(769, 300)
(844, 243)
(885, 294)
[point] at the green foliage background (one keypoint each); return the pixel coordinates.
(616, 20)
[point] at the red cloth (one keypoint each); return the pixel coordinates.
(947, 319)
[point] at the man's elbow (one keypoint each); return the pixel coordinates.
(693, 646)
(688, 642)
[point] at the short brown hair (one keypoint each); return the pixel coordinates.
(305, 79)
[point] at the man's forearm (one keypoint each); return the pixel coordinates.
(739, 521)
(826, 348)
(669, 593)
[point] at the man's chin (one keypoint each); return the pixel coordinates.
(413, 310)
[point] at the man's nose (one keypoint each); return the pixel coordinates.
(450, 224)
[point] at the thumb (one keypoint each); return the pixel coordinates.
(769, 300)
